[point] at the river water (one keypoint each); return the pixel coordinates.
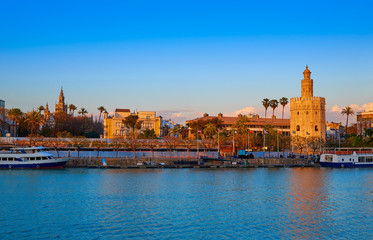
(284, 203)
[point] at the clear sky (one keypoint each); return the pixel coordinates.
(184, 58)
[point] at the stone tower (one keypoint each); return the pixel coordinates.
(307, 113)
(61, 106)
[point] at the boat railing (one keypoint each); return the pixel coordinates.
(348, 151)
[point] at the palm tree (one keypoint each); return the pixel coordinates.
(283, 101)
(174, 131)
(210, 130)
(34, 120)
(72, 108)
(41, 108)
(132, 122)
(15, 115)
(265, 103)
(347, 111)
(82, 111)
(101, 109)
(273, 104)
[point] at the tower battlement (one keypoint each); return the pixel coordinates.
(302, 99)
(307, 113)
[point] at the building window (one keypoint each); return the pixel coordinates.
(297, 113)
(307, 113)
(316, 113)
(316, 128)
(298, 128)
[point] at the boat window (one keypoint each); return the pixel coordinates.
(11, 159)
(361, 159)
(44, 158)
(329, 158)
(49, 157)
(38, 158)
(369, 159)
(32, 158)
(3, 159)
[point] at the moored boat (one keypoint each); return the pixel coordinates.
(32, 157)
(347, 158)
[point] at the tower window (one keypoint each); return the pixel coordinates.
(307, 113)
(316, 113)
(297, 113)
(316, 128)
(298, 128)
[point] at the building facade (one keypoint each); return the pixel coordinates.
(114, 126)
(307, 113)
(333, 130)
(364, 120)
(255, 124)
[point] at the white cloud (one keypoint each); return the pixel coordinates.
(334, 114)
(179, 115)
(243, 111)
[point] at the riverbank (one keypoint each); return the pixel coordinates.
(185, 163)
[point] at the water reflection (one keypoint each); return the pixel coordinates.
(306, 203)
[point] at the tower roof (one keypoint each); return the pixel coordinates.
(307, 70)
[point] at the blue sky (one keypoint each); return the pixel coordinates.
(184, 58)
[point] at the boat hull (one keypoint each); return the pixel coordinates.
(35, 165)
(346, 165)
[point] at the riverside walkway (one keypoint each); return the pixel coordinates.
(186, 163)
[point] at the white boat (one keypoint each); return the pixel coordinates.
(32, 157)
(347, 158)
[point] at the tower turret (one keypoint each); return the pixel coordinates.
(307, 84)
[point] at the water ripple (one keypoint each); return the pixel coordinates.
(187, 204)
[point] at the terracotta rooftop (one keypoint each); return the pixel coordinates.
(252, 121)
(122, 110)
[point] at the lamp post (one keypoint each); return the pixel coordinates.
(264, 143)
(278, 147)
(218, 143)
(233, 144)
(197, 146)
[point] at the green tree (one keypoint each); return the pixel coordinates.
(15, 115)
(265, 103)
(210, 130)
(273, 104)
(83, 112)
(174, 131)
(132, 122)
(72, 108)
(101, 109)
(33, 120)
(283, 101)
(41, 108)
(347, 111)
(147, 134)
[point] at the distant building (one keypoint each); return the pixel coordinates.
(5, 123)
(364, 120)
(61, 106)
(114, 127)
(307, 113)
(255, 124)
(333, 130)
(169, 124)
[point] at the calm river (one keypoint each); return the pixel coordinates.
(187, 204)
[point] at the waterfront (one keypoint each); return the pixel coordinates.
(287, 203)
